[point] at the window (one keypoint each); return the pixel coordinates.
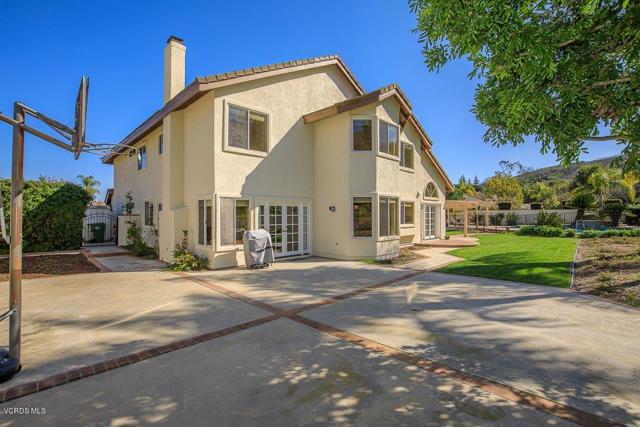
(388, 138)
(406, 156)
(388, 217)
(247, 129)
(406, 213)
(362, 217)
(142, 158)
(431, 191)
(242, 219)
(362, 135)
(148, 213)
(204, 222)
(160, 144)
(234, 220)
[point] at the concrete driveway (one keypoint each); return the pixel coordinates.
(319, 342)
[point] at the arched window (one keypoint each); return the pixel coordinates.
(431, 191)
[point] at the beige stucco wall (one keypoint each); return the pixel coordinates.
(144, 185)
(285, 173)
(311, 164)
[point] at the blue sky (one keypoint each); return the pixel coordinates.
(48, 45)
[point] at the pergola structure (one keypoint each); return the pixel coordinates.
(466, 204)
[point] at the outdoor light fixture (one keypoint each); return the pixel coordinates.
(332, 208)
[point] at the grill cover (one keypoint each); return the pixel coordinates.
(258, 252)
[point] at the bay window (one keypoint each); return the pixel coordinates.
(388, 138)
(388, 217)
(362, 217)
(406, 155)
(204, 222)
(234, 220)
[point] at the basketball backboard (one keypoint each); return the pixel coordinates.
(80, 129)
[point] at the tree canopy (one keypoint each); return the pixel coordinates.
(504, 188)
(562, 71)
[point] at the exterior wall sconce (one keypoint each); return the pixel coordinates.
(332, 208)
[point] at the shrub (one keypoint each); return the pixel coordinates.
(541, 230)
(184, 259)
(135, 242)
(53, 214)
(613, 208)
(592, 234)
(496, 219)
(551, 219)
(511, 218)
(582, 201)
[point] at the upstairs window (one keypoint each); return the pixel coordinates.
(406, 155)
(142, 158)
(247, 129)
(362, 134)
(160, 144)
(388, 139)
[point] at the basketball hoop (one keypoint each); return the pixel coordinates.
(79, 130)
(74, 140)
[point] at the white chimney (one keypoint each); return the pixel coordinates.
(174, 64)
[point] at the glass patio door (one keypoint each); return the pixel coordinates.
(430, 221)
(288, 226)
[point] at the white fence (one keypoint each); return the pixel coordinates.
(525, 216)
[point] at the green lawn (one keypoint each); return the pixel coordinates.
(541, 260)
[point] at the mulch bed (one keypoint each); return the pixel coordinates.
(34, 267)
(610, 268)
(406, 255)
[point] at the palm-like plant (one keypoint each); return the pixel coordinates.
(89, 183)
(582, 201)
(601, 180)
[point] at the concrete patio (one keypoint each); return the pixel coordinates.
(325, 343)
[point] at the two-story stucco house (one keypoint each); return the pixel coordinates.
(296, 148)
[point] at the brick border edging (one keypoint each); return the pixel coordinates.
(32, 387)
(504, 391)
(507, 392)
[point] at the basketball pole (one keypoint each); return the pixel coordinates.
(15, 278)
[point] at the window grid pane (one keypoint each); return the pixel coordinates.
(384, 216)
(238, 127)
(305, 229)
(209, 221)
(257, 131)
(362, 134)
(362, 217)
(384, 137)
(242, 219)
(393, 140)
(226, 221)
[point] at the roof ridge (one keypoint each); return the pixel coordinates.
(272, 67)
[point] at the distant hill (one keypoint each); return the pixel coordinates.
(553, 173)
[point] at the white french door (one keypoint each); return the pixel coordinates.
(288, 224)
(429, 221)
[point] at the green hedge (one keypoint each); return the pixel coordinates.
(53, 214)
(591, 234)
(545, 231)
